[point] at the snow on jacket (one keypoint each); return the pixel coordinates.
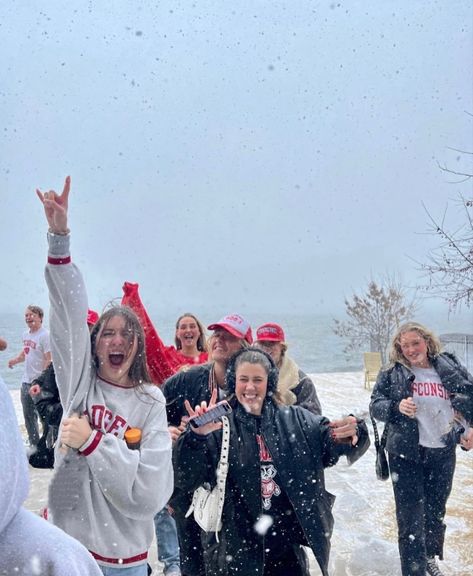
(301, 447)
(105, 495)
(395, 384)
(28, 544)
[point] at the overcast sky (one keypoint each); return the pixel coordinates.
(231, 156)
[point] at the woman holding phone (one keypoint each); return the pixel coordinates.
(275, 497)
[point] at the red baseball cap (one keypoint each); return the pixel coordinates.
(270, 332)
(92, 317)
(236, 325)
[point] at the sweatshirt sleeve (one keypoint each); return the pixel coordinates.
(70, 338)
(138, 483)
(382, 406)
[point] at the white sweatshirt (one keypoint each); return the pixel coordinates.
(28, 544)
(105, 495)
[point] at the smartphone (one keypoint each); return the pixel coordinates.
(220, 409)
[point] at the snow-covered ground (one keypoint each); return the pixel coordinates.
(364, 540)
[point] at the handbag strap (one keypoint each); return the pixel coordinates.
(377, 443)
(222, 468)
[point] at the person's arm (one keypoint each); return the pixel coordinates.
(382, 407)
(458, 381)
(307, 395)
(46, 360)
(194, 454)
(3, 344)
(70, 338)
(174, 392)
(138, 483)
(349, 437)
(17, 360)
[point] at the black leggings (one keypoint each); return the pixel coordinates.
(421, 490)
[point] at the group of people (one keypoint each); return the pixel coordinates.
(128, 453)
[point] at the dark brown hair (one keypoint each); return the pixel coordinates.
(138, 371)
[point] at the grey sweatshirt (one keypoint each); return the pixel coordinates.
(28, 544)
(104, 494)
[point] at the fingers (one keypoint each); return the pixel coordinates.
(407, 407)
(207, 428)
(52, 200)
(213, 398)
(345, 429)
(40, 195)
(175, 433)
(66, 190)
(189, 408)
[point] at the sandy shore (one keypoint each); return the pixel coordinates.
(364, 542)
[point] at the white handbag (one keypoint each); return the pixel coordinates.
(207, 504)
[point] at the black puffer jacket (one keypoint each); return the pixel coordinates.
(395, 384)
(301, 447)
(192, 385)
(47, 402)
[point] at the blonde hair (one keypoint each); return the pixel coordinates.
(432, 342)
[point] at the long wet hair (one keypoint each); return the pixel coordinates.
(254, 355)
(201, 341)
(433, 343)
(138, 372)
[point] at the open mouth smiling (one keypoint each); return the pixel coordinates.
(116, 358)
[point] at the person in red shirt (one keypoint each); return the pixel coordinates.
(191, 345)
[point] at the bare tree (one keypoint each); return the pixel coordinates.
(450, 265)
(374, 316)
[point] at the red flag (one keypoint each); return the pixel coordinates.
(163, 361)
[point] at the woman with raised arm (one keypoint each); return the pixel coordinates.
(113, 470)
(425, 398)
(275, 496)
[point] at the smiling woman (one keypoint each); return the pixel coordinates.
(274, 450)
(118, 347)
(425, 397)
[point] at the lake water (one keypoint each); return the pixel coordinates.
(312, 343)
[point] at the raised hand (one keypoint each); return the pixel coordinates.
(55, 208)
(201, 409)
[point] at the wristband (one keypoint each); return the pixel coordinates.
(65, 233)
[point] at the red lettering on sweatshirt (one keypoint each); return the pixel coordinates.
(104, 420)
(430, 389)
